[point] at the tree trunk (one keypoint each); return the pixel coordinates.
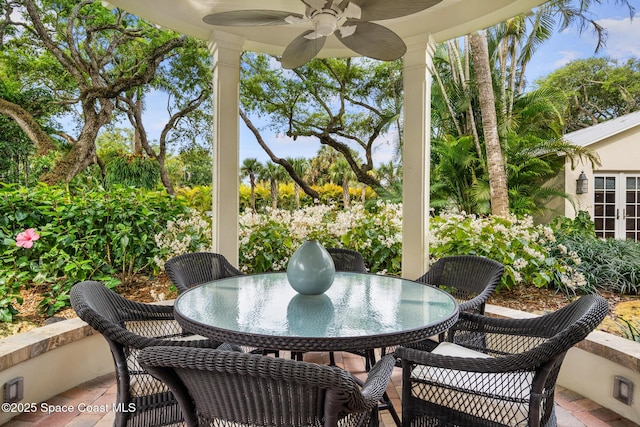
(345, 193)
(495, 161)
(83, 152)
(28, 125)
(274, 194)
(252, 182)
(296, 193)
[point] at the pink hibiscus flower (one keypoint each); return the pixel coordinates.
(26, 238)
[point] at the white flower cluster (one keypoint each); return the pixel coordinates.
(327, 223)
(305, 221)
(346, 220)
(188, 233)
(530, 247)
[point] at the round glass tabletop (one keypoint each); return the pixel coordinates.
(358, 311)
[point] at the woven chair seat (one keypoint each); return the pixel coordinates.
(443, 387)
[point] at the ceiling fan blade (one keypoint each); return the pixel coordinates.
(372, 40)
(242, 18)
(378, 10)
(301, 50)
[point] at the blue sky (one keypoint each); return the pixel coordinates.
(623, 42)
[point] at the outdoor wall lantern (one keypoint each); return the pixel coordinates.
(582, 184)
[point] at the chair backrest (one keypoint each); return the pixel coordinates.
(192, 269)
(218, 387)
(347, 260)
(548, 335)
(127, 327)
(470, 279)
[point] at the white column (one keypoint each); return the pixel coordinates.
(416, 156)
(226, 50)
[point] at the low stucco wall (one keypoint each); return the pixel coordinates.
(53, 359)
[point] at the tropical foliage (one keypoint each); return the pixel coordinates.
(84, 234)
(594, 90)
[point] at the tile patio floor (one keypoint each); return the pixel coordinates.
(573, 410)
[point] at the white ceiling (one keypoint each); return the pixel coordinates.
(446, 20)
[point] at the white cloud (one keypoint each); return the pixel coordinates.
(623, 37)
(566, 56)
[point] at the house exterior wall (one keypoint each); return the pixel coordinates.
(618, 153)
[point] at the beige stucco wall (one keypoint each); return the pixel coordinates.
(53, 359)
(602, 368)
(618, 153)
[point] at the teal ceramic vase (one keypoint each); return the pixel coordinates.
(311, 270)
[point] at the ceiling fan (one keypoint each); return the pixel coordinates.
(348, 20)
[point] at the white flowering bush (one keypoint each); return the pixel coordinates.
(186, 233)
(267, 240)
(529, 252)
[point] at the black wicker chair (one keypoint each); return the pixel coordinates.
(128, 327)
(508, 381)
(223, 388)
(347, 260)
(470, 279)
(189, 270)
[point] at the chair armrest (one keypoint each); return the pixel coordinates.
(477, 301)
(374, 387)
(378, 379)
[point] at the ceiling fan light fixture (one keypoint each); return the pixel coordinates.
(325, 24)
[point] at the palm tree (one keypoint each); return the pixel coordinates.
(477, 87)
(339, 171)
(300, 166)
(495, 161)
(273, 173)
(455, 175)
(250, 168)
(320, 164)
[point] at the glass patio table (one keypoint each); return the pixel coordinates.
(359, 311)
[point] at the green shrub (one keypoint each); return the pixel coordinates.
(607, 264)
(189, 232)
(267, 240)
(91, 234)
(529, 253)
(132, 170)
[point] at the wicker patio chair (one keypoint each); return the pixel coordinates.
(223, 388)
(470, 279)
(347, 260)
(195, 268)
(128, 327)
(189, 270)
(510, 381)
